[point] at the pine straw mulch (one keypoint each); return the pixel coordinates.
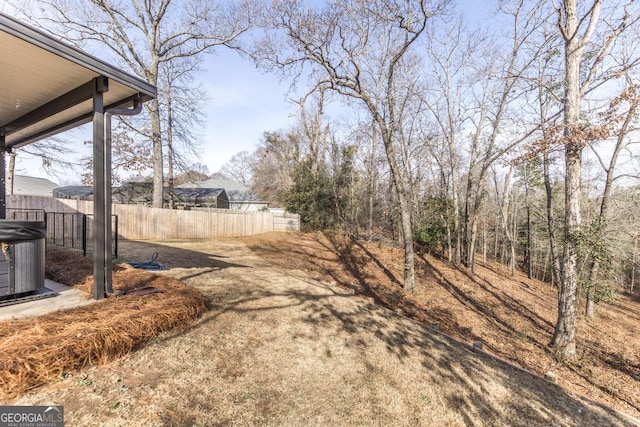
(35, 351)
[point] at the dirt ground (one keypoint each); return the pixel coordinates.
(291, 337)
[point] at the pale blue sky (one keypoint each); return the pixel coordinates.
(244, 103)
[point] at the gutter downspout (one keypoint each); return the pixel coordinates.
(108, 241)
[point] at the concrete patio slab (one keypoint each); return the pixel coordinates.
(67, 298)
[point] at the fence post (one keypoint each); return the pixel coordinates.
(115, 237)
(84, 234)
(73, 231)
(64, 229)
(54, 228)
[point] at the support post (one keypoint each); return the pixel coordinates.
(99, 197)
(108, 241)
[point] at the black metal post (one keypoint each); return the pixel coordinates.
(54, 228)
(108, 242)
(108, 273)
(64, 229)
(73, 231)
(84, 234)
(115, 237)
(99, 262)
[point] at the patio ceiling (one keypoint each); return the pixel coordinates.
(46, 86)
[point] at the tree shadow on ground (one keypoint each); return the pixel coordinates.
(483, 309)
(399, 342)
(391, 298)
(354, 260)
(529, 400)
(171, 257)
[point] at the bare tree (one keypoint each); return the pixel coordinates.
(363, 51)
(451, 76)
(273, 164)
(497, 107)
(311, 111)
(193, 173)
(144, 34)
(577, 27)
(181, 110)
(548, 105)
(621, 118)
(239, 168)
(503, 200)
(129, 155)
(54, 154)
(371, 166)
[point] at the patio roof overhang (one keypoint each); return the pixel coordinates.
(47, 87)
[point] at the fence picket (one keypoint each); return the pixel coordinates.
(144, 223)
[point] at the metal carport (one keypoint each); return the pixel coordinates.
(47, 87)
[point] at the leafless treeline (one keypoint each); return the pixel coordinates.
(472, 137)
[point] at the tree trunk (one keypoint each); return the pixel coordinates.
(544, 268)
(495, 236)
(528, 257)
(555, 262)
(11, 172)
(633, 262)
(509, 234)
(407, 238)
(604, 205)
(371, 183)
(564, 337)
(405, 212)
(170, 154)
(457, 234)
(484, 241)
(527, 252)
(565, 330)
(158, 160)
(590, 307)
(449, 238)
(471, 246)
(514, 235)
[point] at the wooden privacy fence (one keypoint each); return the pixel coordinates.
(286, 222)
(145, 223)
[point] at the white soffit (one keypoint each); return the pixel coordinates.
(46, 86)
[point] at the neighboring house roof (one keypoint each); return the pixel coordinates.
(32, 186)
(190, 194)
(133, 191)
(235, 190)
(74, 192)
(141, 192)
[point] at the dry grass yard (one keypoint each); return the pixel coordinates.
(290, 336)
